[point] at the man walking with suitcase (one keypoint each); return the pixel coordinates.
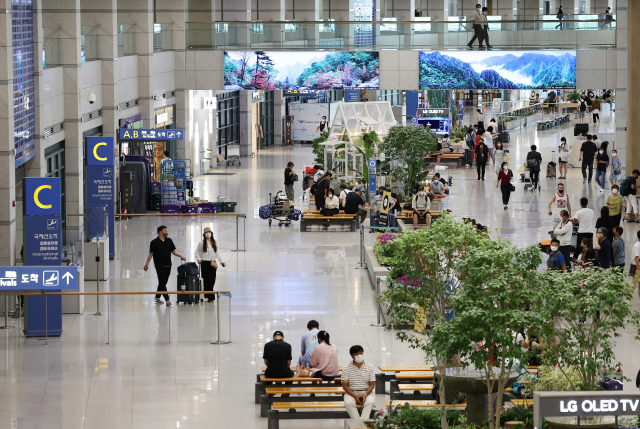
(161, 249)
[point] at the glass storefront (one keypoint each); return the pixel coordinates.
(228, 120)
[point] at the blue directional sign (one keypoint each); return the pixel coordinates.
(42, 196)
(38, 278)
(150, 134)
(352, 96)
(43, 240)
(372, 163)
(100, 151)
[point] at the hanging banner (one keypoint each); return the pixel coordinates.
(101, 184)
(311, 120)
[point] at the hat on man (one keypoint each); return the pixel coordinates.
(420, 188)
(278, 334)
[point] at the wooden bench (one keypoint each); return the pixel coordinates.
(425, 404)
(293, 368)
(382, 378)
(522, 402)
(415, 391)
(410, 377)
(289, 411)
(458, 157)
(325, 393)
(351, 220)
(263, 383)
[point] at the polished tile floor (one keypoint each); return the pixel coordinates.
(283, 279)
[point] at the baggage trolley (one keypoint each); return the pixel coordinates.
(526, 178)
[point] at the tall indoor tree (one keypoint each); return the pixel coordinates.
(430, 258)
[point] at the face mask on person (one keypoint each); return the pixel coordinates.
(561, 191)
(166, 234)
(505, 168)
(422, 193)
(207, 234)
(478, 9)
(600, 152)
(614, 153)
(330, 195)
(359, 358)
(554, 248)
(615, 191)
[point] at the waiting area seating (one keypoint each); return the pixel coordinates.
(318, 410)
(322, 393)
(451, 157)
(552, 122)
(313, 217)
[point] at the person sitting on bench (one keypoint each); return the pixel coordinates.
(277, 357)
(421, 205)
(331, 204)
(354, 203)
(376, 205)
(324, 359)
(437, 187)
(358, 381)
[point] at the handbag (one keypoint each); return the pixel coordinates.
(632, 269)
(214, 264)
(505, 157)
(294, 178)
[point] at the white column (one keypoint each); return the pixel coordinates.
(246, 127)
(64, 14)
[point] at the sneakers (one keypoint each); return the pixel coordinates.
(158, 301)
(505, 207)
(584, 180)
(168, 303)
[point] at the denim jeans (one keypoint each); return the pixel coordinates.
(601, 178)
(587, 164)
(374, 216)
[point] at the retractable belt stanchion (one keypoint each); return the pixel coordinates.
(97, 313)
(362, 264)
(6, 314)
(218, 341)
(46, 320)
(244, 238)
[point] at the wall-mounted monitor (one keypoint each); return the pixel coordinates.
(497, 69)
(440, 126)
(301, 70)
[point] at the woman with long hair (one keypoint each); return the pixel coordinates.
(324, 358)
(207, 256)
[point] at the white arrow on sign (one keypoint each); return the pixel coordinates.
(179, 133)
(67, 277)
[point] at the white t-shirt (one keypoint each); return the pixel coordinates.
(635, 252)
(331, 202)
(488, 140)
(585, 217)
(343, 195)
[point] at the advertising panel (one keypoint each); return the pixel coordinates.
(310, 120)
(440, 126)
(300, 70)
(497, 70)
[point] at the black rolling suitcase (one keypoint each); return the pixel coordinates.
(189, 281)
(551, 166)
(504, 136)
(580, 129)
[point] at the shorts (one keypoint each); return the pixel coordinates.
(581, 114)
(425, 214)
(563, 160)
(632, 203)
(360, 212)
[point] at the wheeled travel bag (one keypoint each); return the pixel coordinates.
(190, 283)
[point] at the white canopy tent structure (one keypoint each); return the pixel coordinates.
(351, 120)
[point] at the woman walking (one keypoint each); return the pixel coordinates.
(564, 152)
(504, 182)
(499, 153)
(616, 164)
(614, 203)
(207, 256)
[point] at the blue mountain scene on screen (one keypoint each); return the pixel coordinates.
(498, 70)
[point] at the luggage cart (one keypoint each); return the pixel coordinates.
(526, 178)
(233, 154)
(280, 209)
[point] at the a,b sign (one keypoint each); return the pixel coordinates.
(42, 196)
(99, 150)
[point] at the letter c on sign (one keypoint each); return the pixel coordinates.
(35, 197)
(95, 152)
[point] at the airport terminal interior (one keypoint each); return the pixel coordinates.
(130, 117)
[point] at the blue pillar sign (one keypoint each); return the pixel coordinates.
(372, 176)
(42, 246)
(101, 184)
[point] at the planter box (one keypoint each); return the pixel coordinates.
(356, 424)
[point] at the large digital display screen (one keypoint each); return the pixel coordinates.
(301, 70)
(497, 69)
(440, 126)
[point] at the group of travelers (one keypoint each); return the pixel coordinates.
(319, 359)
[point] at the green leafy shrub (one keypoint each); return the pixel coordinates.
(318, 150)
(414, 418)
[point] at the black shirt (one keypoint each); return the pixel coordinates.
(590, 94)
(588, 150)
(162, 251)
(277, 353)
(534, 155)
(632, 181)
(606, 222)
(603, 157)
(322, 185)
(287, 176)
(352, 203)
(482, 152)
(604, 254)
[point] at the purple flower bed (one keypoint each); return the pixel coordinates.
(384, 239)
(405, 281)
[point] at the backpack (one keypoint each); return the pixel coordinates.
(469, 140)
(625, 188)
(534, 163)
(551, 263)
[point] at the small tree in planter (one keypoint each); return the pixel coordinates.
(429, 258)
(318, 150)
(587, 310)
(498, 298)
(408, 145)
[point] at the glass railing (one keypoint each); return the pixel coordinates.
(538, 32)
(162, 37)
(51, 47)
(126, 40)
